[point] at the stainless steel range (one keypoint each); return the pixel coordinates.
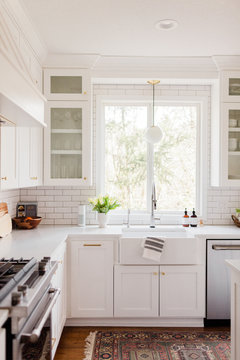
(25, 290)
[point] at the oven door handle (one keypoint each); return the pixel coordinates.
(34, 336)
(226, 247)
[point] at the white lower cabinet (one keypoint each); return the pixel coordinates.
(182, 291)
(136, 291)
(91, 278)
(59, 309)
(165, 291)
(8, 157)
(2, 344)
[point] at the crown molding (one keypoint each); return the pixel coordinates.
(17, 13)
(83, 61)
(227, 62)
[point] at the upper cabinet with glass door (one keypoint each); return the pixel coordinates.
(67, 144)
(66, 84)
(230, 86)
(231, 144)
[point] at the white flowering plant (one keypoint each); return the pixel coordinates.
(103, 204)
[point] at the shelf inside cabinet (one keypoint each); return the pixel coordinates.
(234, 153)
(67, 152)
(69, 131)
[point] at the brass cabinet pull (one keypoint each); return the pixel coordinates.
(155, 273)
(163, 273)
(92, 244)
(53, 342)
(84, 178)
(85, 93)
(4, 178)
(33, 178)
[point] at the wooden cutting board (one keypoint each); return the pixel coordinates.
(5, 220)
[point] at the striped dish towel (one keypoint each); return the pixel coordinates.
(152, 248)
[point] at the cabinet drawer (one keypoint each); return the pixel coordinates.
(176, 251)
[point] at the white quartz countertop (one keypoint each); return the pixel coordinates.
(44, 240)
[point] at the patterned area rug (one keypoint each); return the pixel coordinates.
(160, 345)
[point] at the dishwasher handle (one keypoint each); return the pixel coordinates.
(226, 247)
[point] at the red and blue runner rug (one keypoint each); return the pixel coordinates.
(158, 345)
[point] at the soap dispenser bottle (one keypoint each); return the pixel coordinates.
(193, 220)
(185, 219)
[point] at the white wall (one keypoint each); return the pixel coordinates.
(58, 205)
(11, 197)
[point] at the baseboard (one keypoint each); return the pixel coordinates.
(136, 322)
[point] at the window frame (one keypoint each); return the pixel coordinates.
(201, 102)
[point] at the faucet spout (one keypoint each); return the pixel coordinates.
(153, 206)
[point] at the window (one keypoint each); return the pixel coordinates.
(130, 165)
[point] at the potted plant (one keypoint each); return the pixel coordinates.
(103, 204)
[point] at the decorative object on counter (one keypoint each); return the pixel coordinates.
(193, 219)
(153, 345)
(236, 220)
(26, 209)
(153, 133)
(81, 216)
(185, 219)
(103, 204)
(27, 223)
(5, 220)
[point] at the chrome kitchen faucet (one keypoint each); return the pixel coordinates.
(153, 206)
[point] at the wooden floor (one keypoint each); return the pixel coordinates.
(71, 346)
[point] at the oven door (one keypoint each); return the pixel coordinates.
(35, 339)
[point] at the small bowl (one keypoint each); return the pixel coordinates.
(27, 223)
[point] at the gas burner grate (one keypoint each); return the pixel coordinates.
(11, 272)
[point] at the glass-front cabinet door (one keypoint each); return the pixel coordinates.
(231, 86)
(66, 84)
(68, 143)
(231, 144)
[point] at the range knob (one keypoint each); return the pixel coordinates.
(16, 298)
(42, 265)
(23, 289)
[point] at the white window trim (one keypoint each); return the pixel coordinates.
(167, 217)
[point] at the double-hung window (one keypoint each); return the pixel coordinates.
(128, 165)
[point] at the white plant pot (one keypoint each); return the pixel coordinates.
(102, 220)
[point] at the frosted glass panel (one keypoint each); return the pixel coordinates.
(66, 141)
(66, 118)
(234, 144)
(234, 87)
(66, 84)
(66, 166)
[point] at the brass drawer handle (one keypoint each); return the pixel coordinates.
(163, 273)
(85, 93)
(155, 273)
(4, 178)
(33, 178)
(84, 178)
(92, 244)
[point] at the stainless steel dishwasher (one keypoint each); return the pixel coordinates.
(218, 277)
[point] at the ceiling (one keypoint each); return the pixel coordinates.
(126, 27)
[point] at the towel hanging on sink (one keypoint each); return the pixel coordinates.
(152, 248)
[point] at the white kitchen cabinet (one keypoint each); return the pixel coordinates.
(67, 144)
(2, 344)
(9, 167)
(182, 291)
(67, 84)
(136, 291)
(230, 86)
(30, 156)
(59, 309)
(91, 272)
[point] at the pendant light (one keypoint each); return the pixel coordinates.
(153, 133)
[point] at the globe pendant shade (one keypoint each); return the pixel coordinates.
(153, 134)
